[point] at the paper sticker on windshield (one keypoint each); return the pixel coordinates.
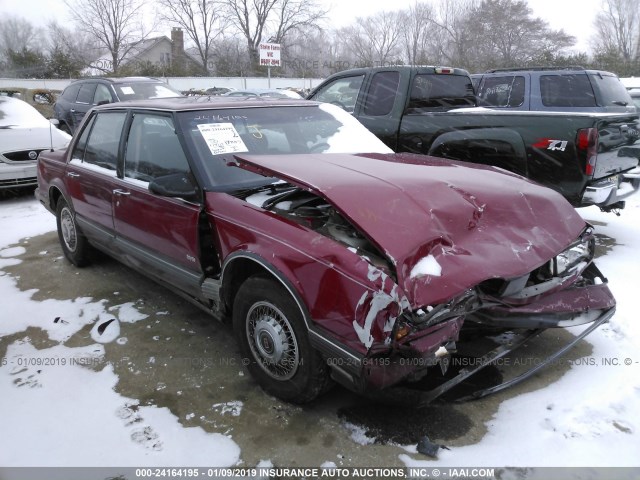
(127, 90)
(222, 138)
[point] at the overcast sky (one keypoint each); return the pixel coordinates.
(574, 16)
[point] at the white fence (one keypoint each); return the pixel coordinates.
(183, 83)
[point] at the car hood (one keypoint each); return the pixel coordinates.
(446, 225)
(32, 138)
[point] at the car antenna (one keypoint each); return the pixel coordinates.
(44, 82)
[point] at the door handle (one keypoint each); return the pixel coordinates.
(117, 191)
(73, 110)
(73, 174)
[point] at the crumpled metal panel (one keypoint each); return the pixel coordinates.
(477, 222)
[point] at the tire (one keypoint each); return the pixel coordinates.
(73, 242)
(274, 343)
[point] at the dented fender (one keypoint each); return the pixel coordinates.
(344, 296)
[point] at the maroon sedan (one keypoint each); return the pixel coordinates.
(333, 257)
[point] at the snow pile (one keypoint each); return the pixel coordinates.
(66, 414)
(59, 405)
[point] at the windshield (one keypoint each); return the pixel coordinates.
(144, 91)
(16, 113)
(215, 136)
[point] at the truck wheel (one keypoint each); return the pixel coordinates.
(274, 343)
(74, 244)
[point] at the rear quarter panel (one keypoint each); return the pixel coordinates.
(51, 171)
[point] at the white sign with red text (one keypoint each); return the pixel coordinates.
(269, 54)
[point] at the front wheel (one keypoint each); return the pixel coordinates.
(272, 335)
(73, 242)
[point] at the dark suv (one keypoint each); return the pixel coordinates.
(82, 95)
(552, 89)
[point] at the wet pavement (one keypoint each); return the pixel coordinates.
(181, 358)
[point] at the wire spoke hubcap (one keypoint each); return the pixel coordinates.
(68, 228)
(272, 341)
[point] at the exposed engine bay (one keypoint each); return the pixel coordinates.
(313, 212)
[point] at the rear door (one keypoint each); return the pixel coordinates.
(158, 234)
(83, 103)
(91, 174)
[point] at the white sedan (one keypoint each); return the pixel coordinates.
(24, 133)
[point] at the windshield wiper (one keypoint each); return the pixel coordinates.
(279, 196)
(277, 189)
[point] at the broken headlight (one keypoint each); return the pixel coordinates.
(579, 252)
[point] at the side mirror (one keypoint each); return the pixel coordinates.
(176, 185)
(54, 121)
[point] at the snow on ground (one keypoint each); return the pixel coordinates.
(57, 412)
(591, 416)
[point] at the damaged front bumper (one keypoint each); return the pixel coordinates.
(566, 308)
(430, 344)
(501, 351)
(376, 373)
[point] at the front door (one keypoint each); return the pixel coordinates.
(158, 234)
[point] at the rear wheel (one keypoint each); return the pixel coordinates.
(73, 242)
(273, 338)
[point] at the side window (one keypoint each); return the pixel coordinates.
(80, 147)
(71, 92)
(86, 93)
(102, 94)
(104, 139)
(342, 92)
(567, 91)
(504, 91)
(382, 93)
(438, 92)
(153, 149)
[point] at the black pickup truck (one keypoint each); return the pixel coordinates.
(591, 158)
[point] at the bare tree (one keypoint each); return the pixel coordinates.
(618, 29)
(250, 18)
(451, 39)
(231, 58)
(253, 19)
(417, 26)
(375, 40)
(200, 20)
(75, 49)
(115, 24)
(17, 34)
(297, 15)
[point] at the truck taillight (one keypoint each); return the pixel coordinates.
(587, 144)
